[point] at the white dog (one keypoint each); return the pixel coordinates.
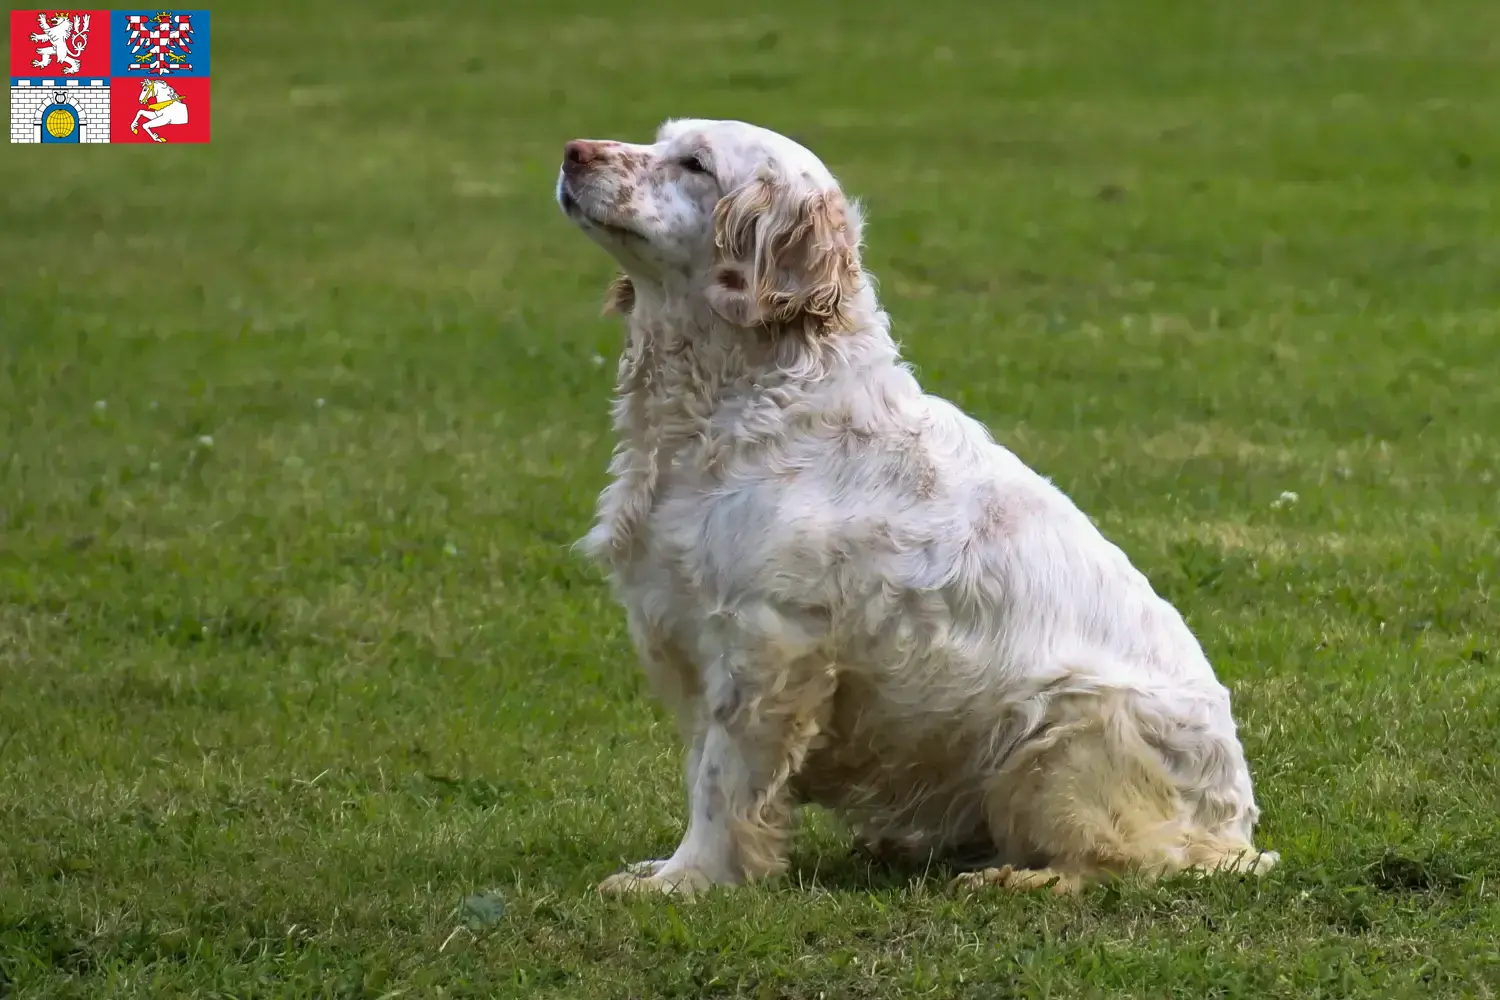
(843, 589)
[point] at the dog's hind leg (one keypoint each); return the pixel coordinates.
(767, 694)
(1090, 797)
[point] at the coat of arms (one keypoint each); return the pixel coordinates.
(160, 43)
(65, 36)
(132, 81)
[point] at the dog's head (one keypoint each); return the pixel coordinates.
(739, 218)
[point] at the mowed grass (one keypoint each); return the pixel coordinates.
(296, 430)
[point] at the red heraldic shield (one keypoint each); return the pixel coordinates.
(59, 44)
(159, 109)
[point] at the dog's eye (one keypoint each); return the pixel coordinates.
(693, 164)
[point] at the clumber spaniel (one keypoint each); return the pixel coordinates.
(844, 590)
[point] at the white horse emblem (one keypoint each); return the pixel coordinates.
(67, 40)
(163, 106)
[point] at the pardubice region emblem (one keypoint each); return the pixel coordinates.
(111, 76)
(163, 106)
(161, 43)
(64, 37)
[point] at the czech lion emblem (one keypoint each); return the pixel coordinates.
(67, 38)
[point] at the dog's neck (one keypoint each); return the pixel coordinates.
(680, 365)
(682, 362)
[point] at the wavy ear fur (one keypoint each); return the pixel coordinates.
(787, 261)
(619, 299)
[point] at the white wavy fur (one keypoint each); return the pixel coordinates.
(844, 590)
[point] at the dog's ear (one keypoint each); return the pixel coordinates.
(787, 261)
(619, 300)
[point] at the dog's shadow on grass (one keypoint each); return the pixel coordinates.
(854, 869)
(1430, 874)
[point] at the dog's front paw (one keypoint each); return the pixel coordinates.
(655, 876)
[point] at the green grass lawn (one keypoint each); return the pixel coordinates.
(296, 430)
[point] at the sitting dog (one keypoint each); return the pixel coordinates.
(842, 588)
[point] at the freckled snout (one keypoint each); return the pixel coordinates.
(596, 183)
(579, 158)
